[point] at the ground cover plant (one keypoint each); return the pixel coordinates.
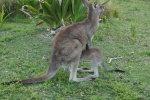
(25, 53)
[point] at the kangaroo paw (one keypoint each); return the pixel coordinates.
(85, 68)
(93, 78)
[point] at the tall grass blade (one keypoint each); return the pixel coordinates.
(105, 2)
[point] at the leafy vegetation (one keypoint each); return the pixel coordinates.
(3, 18)
(55, 14)
(8, 5)
(24, 53)
(14, 6)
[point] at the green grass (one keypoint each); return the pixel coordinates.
(25, 53)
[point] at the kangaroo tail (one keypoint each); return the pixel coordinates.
(11, 82)
(116, 70)
(109, 70)
(29, 81)
(49, 74)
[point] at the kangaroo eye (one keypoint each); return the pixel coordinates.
(95, 5)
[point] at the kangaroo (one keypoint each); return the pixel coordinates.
(67, 46)
(95, 56)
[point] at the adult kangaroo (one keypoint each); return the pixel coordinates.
(67, 46)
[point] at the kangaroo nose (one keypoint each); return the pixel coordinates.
(102, 7)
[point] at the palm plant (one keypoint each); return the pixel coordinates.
(78, 11)
(56, 14)
(33, 3)
(53, 13)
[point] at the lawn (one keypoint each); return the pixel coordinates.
(25, 53)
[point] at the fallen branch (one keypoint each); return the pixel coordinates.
(52, 31)
(55, 31)
(42, 28)
(26, 11)
(110, 60)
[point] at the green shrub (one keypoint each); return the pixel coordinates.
(111, 10)
(14, 6)
(55, 15)
(33, 3)
(10, 6)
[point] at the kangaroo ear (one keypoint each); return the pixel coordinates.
(86, 3)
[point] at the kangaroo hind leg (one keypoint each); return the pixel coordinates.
(73, 74)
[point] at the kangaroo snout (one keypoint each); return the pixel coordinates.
(102, 8)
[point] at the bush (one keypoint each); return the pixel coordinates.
(111, 10)
(55, 15)
(14, 6)
(9, 5)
